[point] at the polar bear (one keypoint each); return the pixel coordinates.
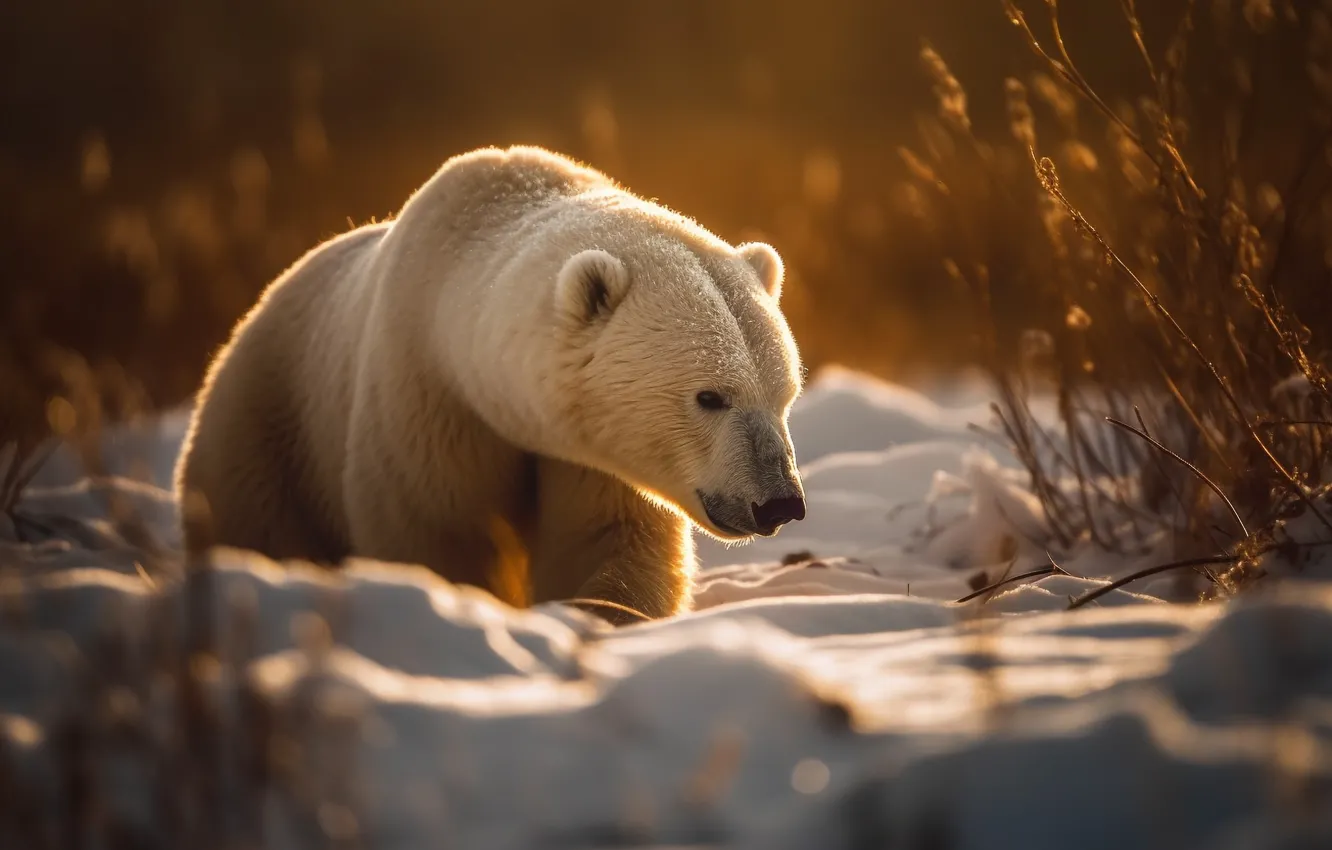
(527, 352)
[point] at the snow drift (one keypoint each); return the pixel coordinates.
(827, 692)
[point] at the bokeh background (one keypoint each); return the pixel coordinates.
(161, 162)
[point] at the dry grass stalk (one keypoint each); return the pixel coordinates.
(1170, 278)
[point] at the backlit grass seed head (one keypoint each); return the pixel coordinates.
(1267, 202)
(1170, 130)
(1134, 166)
(918, 167)
(1049, 180)
(1015, 16)
(1079, 157)
(938, 140)
(1061, 101)
(1053, 218)
(1249, 250)
(910, 202)
(953, 271)
(1077, 319)
(1258, 14)
(1047, 175)
(1243, 236)
(952, 98)
(1020, 120)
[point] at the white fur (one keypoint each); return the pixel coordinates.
(524, 342)
(767, 264)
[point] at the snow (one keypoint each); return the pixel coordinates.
(826, 692)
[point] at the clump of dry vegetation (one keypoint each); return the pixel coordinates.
(1175, 251)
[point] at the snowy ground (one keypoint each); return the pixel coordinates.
(841, 699)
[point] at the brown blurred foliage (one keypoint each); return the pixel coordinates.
(160, 163)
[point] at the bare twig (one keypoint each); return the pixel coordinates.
(1052, 570)
(1202, 476)
(1097, 593)
(1135, 27)
(23, 467)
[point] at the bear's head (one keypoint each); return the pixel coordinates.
(681, 370)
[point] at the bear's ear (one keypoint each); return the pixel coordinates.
(591, 284)
(767, 263)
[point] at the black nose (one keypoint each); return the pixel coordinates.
(774, 513)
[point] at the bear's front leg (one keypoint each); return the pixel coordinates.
(597, 538)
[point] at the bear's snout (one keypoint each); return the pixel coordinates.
(774, 513)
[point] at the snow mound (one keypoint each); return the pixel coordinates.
(419, 714)
(830, 689)
(841, 411)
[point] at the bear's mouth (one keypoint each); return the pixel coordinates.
(715, 509)
(727, 529)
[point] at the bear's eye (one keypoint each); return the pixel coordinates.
(709, 400)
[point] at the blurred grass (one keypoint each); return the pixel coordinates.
(170, 159)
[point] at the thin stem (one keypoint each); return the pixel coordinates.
(1135, 27)
(1043, 571)
(1195, 470)
(1097, 593)
(1052, 570)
